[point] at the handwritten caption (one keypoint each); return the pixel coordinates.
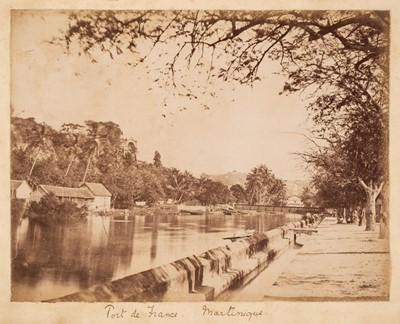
(152, 311)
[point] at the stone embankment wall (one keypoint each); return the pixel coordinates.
(198, 277)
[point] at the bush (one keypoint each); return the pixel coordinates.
(17, 208)
(51, 208)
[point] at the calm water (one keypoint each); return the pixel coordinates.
(52, 261)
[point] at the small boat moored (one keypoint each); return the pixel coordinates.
(228, 210)
(192, 212)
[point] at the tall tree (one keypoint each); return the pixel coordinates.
(92, 145)
(33, 140)
(157, 159)
(40, 141)
(307, 197)
(179, 184)
(71, 135)
(239, 193)
(254, 185)
(278, 192)
(263, 187)
(213, 193)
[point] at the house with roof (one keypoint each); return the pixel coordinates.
(101, 196)
(80, 196)
(20, 189)
(93, 195)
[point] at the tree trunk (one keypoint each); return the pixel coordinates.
(384, 223)
(69, 167)
(251, 198)
(34, 163)
(180, 198)
(370, 213)
(113, 201)
(87, 168)
(372, 192)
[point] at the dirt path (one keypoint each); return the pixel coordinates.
(341, 262)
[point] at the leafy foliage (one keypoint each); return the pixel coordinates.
(17, 209)
(307, 197)
(263, 187)
(97, 152)
(213, 192)
(157, 159)
(239, 193)
(311, 46)
(54, 210)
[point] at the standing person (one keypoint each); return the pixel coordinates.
(340, 217)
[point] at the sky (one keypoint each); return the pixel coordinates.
(235, 130)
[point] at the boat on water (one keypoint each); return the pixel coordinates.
(241, 234)
(192, 212)
(227, 211)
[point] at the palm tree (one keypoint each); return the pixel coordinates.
(254, 184)
(259, 183)
(73, 134)
(278, 192)
(91, 145)
(72, 154)
(267, 179)
(180, 183)
(40, 141)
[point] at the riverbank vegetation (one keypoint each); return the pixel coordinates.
(98, 152)
(50, 210)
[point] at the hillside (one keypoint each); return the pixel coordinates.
(229, 178)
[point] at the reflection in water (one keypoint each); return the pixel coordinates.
(154, 237)
(52, 261)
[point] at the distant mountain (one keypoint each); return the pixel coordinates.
(294, 187)
(229, 178)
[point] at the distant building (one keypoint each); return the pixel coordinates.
(80, 196)
(294, 201)
(101, 196)
(20, 189)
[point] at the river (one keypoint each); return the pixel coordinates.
(53, 261)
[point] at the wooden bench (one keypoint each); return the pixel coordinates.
(299, 231)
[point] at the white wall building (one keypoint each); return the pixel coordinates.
(102, 197)
(294, 201)
(20, 189)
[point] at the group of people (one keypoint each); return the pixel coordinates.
(310, 219)
(357, 215)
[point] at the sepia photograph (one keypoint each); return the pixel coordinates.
(228, 159)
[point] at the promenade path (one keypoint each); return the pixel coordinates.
(342, 262)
